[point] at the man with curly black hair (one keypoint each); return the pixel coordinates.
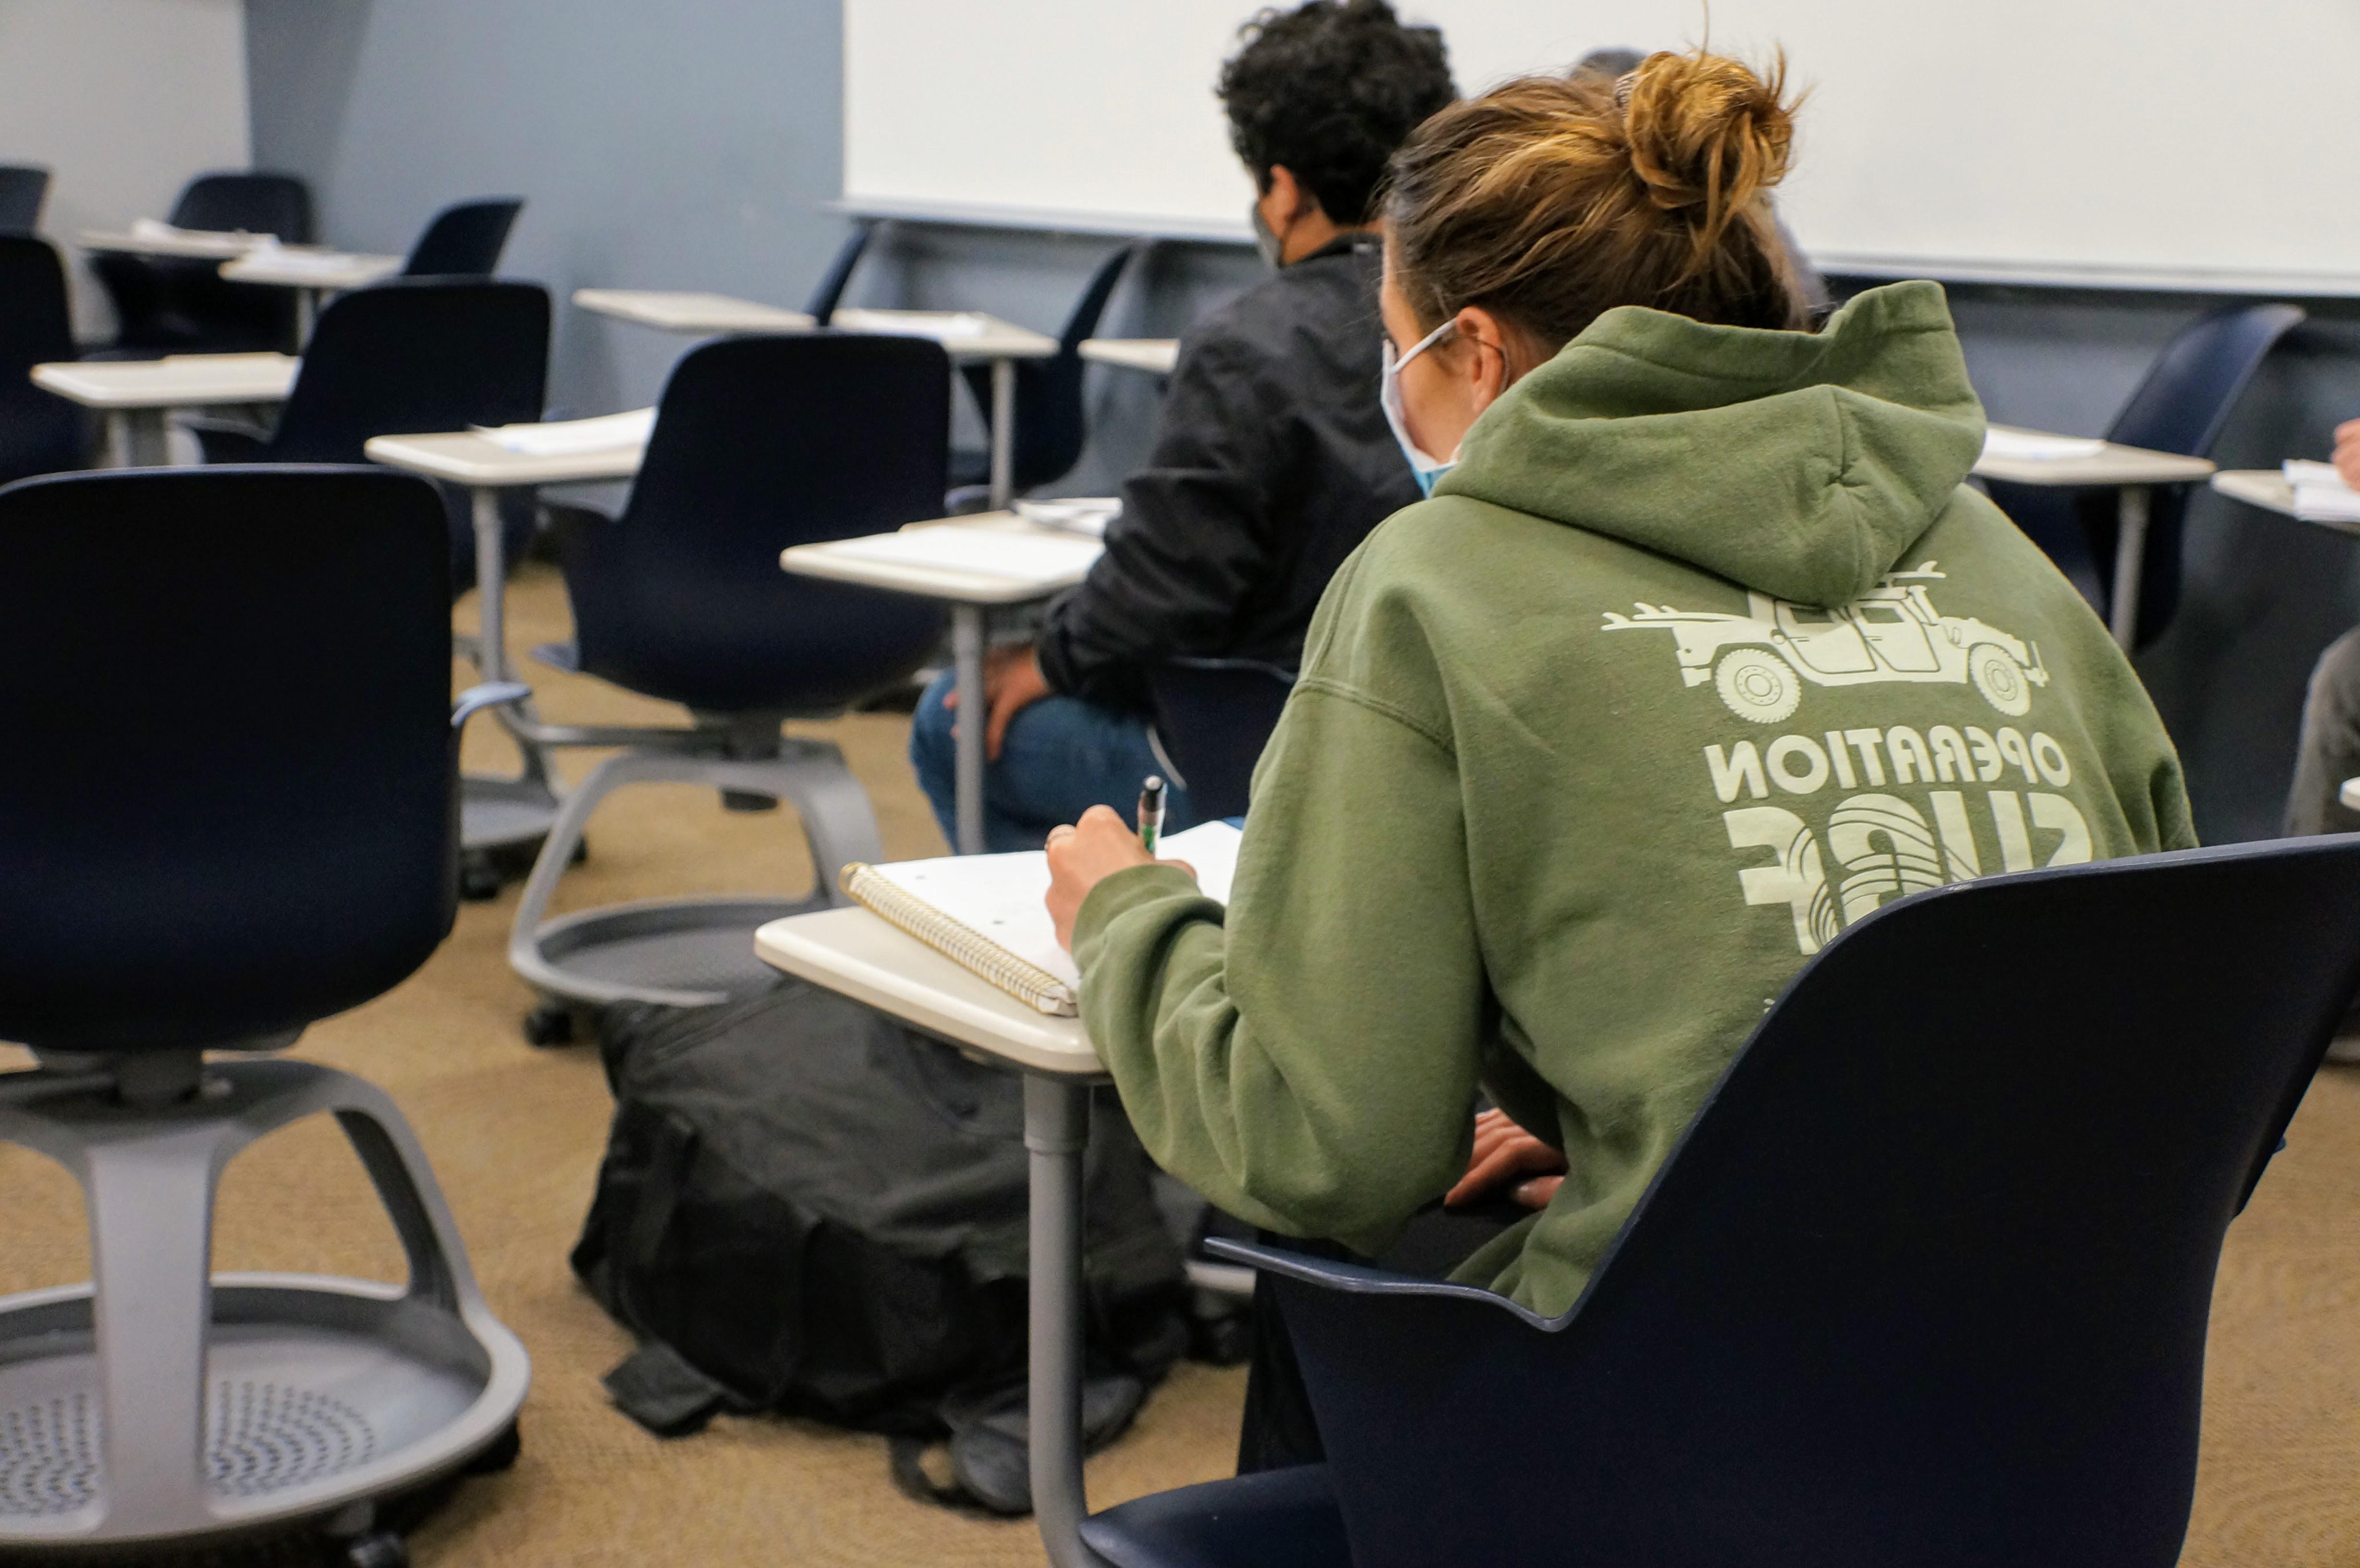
(1272, 459)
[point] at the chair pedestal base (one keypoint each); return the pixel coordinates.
(161, 1403)
(685, 953)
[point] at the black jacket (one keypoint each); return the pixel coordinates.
(1273, 461)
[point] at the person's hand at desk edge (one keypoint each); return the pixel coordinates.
(1505, 1153)
(1013, 681)
(2348, 452)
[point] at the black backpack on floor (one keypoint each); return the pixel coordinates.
(807, 1208)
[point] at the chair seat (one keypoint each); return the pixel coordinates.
(1287, 1518)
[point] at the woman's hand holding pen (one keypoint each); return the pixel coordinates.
(1087, 853)
(1507, 1152)
(1013, 681)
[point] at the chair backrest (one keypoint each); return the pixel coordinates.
(1214, 716)
(413, 356)
(23, 189)
(1050, 428)
(1928, 1280)
(276, 204)
(830, 292)
(230, 805)
(762, 442)
(39, 431)
(2186, 396)
(464, 241)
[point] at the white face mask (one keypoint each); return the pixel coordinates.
(1389, 396)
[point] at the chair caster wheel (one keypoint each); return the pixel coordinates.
(501, 1455)
(552, 1023)
(382, 1549)
(479, 879)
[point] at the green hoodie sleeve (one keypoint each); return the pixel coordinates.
(1307, 1060)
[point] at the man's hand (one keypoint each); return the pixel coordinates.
(1011, 682)
(2348, 452)
(1083, 855)
(1507, 1152)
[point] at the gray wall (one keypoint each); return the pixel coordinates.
(695, 145)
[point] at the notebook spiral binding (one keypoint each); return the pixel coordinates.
(961, 943)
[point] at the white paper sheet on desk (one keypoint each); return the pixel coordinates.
(1075, 515)
(156, 229)
(290, 258)
(2320, 494)
(1003, 896)
(568, 438)
(2034, 446)
(940, 325)
(1019, 556)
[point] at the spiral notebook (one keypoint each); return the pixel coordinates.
(987, 911)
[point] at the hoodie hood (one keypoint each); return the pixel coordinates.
(1801, 464)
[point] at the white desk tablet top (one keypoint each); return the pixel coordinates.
(678, 312)
(151, 238)
(967, 334)
(2111, 465)
(462, 457)
(2264, 487)
(176, 381)
(854, 952)
(990, 558)
(1157, 356)
(305, 267)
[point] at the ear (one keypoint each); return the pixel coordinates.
(1293, 199)
(1486, 347)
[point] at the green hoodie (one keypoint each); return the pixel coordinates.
(1576, 778)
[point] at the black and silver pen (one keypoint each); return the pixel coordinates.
(1150, 812)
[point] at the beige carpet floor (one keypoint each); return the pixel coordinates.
(515, 1135)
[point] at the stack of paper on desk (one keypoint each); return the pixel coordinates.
(1075, 515)
(2320, 494)
(569, 438)
(943, 326)
(2033, 446)
(987, 911)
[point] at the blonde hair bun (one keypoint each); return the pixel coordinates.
(1704, 131)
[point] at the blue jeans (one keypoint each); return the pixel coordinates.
(1061, 757)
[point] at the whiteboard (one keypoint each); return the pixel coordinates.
(2112, 143)
(124, 101)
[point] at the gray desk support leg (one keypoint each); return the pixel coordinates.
(119, 440)
(138, 438)
(307, 312)
(1003, 433)
(1057, 1128)
(2135, 505)
(967, 651)
(491, 582)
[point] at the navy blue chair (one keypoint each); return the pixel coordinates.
(1050, 427)
(2180, 407)
(1213, 717)
(1927, 1281)
(39, 431)
(825, 298)
(759, 443)
(404, 357)
(176, 305)
(464, 241)
(247, 842)
(23, 189)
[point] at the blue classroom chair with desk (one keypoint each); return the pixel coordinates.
(1213, 716)
(1050, 423)
(39, 432)
(2180, 407)
(210, 846)
(1926, 1282)
(759, 443)
(465, 240)
(176, 305)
